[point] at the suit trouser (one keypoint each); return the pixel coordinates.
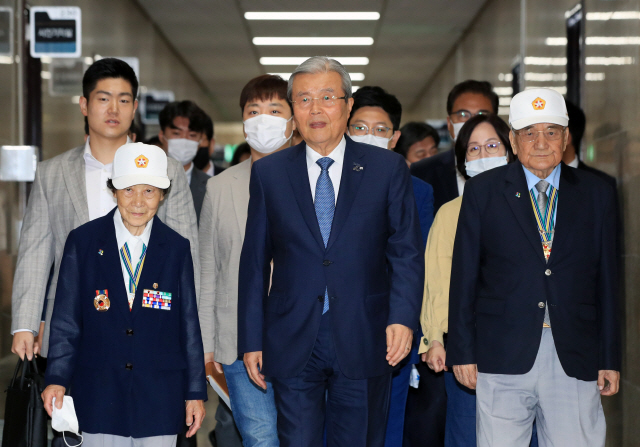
(567, 411)
(397, 405)
(355, 409)
(102, 440)
(424, 420)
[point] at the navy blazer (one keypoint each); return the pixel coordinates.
(130, 372)
(440, 172)
(500, 280)
(423, 193)
(373, 265)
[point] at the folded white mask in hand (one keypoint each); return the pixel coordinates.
(65, 419)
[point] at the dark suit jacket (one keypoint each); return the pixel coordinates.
(440, 172)
(373, 265)
(90, 350)
(423, 193)
(198, 188)
(499, 276)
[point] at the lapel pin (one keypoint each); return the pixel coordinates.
(155, 285)
(357, 167)
(518, 195)
(101, 252)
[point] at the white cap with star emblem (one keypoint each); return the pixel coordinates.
(140, 164)
(537, 105)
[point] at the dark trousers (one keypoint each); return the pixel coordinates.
(355, 411)
(425, 415)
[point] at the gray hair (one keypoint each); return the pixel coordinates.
(321, 64)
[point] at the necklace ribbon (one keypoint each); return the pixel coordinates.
(545, 221)
(134, 276)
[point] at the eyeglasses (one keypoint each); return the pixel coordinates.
(465, 115)
(363, 129)
(530, 135)
(304, 102)
(491, 148)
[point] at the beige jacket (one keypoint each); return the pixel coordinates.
(434, 316)
(222, 224)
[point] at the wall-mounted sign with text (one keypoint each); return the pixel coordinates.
(55, 31)
(152, 102)
(6, 31)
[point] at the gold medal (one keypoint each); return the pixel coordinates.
(101, 302)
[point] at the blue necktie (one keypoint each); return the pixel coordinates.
(325, 204)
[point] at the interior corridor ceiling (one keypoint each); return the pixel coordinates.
(410, 40)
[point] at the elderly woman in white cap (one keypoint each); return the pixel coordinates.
(125, 336)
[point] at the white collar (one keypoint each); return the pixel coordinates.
(123, 235)
(189, 172)
(337, 154)
(574, 163)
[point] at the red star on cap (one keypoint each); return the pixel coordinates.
(142, 161)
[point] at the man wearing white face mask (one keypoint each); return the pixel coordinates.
(268, 127)
(182, 127)
(375, 119)
(466, 99)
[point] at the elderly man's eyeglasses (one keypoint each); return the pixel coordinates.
(304, 102)
(363, 129)
(464, 115)
(530, 135)
(491, 148)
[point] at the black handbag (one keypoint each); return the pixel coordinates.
(25, 419)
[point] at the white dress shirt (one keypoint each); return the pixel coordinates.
(574, 163)
(335, 170)
(99, 198)
(459, 177)
(135, 244)
(188, 172)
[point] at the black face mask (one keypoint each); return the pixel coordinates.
(202, 159)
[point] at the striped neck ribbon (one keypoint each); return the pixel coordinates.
(545, 220)
(134, 276)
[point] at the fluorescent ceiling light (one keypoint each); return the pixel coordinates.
(354, 88)
(299, 60)
(354, 76)
(530, 60)
(6, 60)
(555, 41)
(503, 91)
(505, 100)
(545, 77)
(594, 76)
(617, 15)
(312, 15)
(504, 111)
(45, 74)
(609, 61)
(318, 41)
(506, 77)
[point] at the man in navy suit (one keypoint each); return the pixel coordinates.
(339, 221)
(533, 317)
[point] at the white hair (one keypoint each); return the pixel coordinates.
(322, 64)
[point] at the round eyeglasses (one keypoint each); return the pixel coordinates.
(305, 102)
(363, 129)
(530, 135)
(491, 148)
(464, 115)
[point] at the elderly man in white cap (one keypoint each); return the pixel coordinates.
(533, 319)
(125, 335)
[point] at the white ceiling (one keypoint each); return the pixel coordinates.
(411, 39)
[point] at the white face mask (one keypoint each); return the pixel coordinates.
(65, 419)
(266, 133)
(475, 167)
(456, 130)
(182, 149)
(372, 140)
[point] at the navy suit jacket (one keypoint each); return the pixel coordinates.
(499, 276)
(130, 372)
(373, 265)
(440, 172)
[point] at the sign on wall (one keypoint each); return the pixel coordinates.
(6, 31)
(66, 77)
(55, 31)
(152, 102)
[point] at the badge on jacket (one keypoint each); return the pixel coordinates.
(155, 299)
(101, 301)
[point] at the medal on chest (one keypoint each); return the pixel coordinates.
(101, 302)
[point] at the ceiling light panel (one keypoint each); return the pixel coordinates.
(354, 76)
(312, 15)
(314, 41)
(299, 60)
